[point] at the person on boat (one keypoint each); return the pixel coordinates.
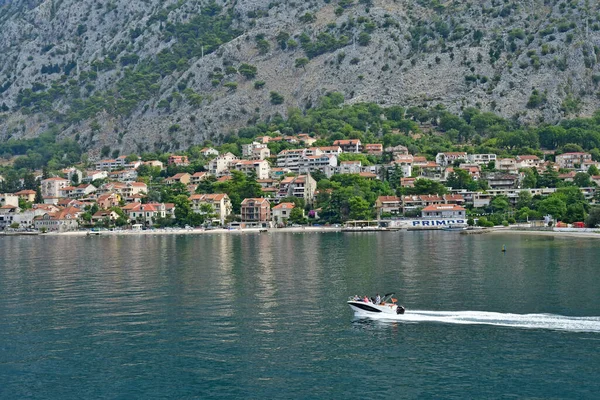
(356, 298)
(377, 299)
(366, 299)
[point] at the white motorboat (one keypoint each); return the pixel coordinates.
(455, 227)
(365, 307)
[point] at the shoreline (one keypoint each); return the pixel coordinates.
(321, 229)
(563, 234)
(184, 231)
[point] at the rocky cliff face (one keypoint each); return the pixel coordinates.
(141, 75)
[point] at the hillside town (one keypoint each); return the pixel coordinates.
(296, 185)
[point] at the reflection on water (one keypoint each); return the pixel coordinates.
(227, 315)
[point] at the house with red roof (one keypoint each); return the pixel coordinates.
(388, 205)
(349, 145)
(60, 221)
(572, 160)
(220, 203)
(178, 160)
(375, 149)
(182, 177)
(146, 214)
(281, 213)
(27, 195)
(256, 212)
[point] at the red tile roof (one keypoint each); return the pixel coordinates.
(286, 206)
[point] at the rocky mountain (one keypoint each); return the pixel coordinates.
(141, 75)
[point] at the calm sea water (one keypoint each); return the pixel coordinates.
(264, 316)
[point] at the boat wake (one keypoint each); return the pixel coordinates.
(527, 321)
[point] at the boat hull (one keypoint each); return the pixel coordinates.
(363, 309)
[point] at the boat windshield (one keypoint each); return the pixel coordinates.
(388, 298)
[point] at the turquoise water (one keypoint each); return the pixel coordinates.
(264, 316)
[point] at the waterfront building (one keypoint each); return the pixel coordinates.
(60, 221)
(389, 205)
(220, 203)
(281, 213)
(256, 212)
(104, 215)
(443, 211)
(146, 214)
(302, 186)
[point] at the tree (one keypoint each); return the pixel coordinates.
(525, 199)
(297, 216)
(593, 219)
(247, 70)
(549, 178)
(582, 179)
(554, 206)
(276, 98)
(500, 204)
(183, 209)
(530, 178)
(593, 170)
(38, 195)
(301, 62)
(425, 186)
(459, 179)
(360, 208)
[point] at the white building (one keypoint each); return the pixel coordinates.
(528, 161)
(219, 166)
(220, 203)
(52, 187)
(443, 211)
(572, 160)
(9, 199)
(209, 151)
(350, 167)
(481, 159)
(444, 159)
(259, 167)
(91, 176)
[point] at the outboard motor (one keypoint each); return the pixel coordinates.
(400, 310)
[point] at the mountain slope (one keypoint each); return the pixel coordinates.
(149, 74)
